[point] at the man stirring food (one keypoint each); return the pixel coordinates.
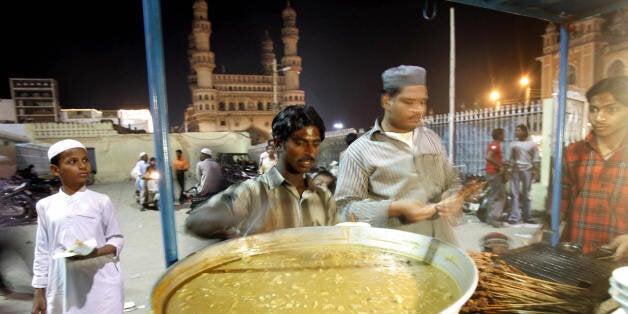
(284, 197)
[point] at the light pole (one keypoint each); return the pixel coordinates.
(275, 71)
(525, 82)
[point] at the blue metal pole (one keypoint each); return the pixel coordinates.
(560, 131)
(157, 93)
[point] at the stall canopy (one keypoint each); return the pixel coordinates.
(557, 11)
(561, 12)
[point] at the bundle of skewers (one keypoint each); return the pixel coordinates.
(505, 289)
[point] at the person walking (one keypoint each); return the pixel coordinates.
(180, 165)
(90, 281)
(267, 159)
(208, 174)
(284, 197)
(495, 178)
(594, 204)
(397, 174)
(524, 165)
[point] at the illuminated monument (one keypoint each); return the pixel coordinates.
(241, 102)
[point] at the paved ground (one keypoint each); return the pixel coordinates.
(143, 258)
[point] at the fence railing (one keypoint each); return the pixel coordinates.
(473, 131)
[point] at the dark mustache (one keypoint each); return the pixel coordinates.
(306, 159)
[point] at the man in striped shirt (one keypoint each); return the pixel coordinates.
(595, 176)
(397, 174)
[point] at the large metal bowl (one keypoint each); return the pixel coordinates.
(442, 255)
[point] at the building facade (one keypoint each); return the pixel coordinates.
(598, 48)
(236, 102)
(36, 99)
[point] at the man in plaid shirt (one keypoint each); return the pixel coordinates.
(595, 176)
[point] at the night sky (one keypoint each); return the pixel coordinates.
(97, 53)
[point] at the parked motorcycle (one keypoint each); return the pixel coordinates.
(474, 202)
(17, 205)
(238, 173)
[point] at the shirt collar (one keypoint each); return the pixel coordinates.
(377, 128)
(591, 141)
(275, 179)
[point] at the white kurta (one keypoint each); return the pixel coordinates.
(86, 286)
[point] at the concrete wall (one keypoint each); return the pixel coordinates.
(116, 155)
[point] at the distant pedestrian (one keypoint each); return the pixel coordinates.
(208, 174)
(138, 170)
(91, 281)
(349, 138)
(267, 159)
(524, 163)
(180, 165)
(495, 178)
(150, 183)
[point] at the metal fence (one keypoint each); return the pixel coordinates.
(473, 131)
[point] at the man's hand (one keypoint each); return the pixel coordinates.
(620, 246)
(411, 210)
(39, 301)
(450, 206)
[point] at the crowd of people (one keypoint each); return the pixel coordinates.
(396, 175)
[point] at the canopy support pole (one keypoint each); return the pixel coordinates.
(159, 112)
(560, 132)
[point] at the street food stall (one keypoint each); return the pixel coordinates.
(544, 277)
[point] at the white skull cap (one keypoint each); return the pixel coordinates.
(402, 76)
(206, 151)
(63, 145)
(142, 154)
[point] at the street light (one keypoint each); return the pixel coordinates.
(525, 82)
(338, 125)
(494, 96)
(275, 71)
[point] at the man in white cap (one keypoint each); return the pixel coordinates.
(397, 174)
(82, 223)
(208, 174)
(138, 171)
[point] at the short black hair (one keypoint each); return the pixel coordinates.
(392, 91)
(616, 86)
(497, 132)
(55, 160)
(179, 151)
(294, 118)
(524, 128)
(349, 138)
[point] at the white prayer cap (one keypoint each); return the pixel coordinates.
(63, 145)
(402, 76)
(143, 154)
(206, 151)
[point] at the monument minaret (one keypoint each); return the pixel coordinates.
(202, 57)
(290, 37)
(268, 54)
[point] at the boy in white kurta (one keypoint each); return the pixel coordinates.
(89, 283)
